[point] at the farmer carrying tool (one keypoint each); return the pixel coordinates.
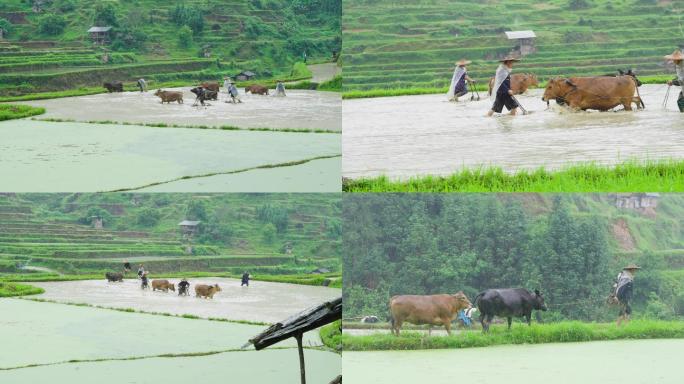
(677, 57)
(623, 291)
(502, 88)
(458, 85)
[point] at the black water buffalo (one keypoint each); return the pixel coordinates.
(115, 86)
(114, 276)
(204, 94)
(508, 303)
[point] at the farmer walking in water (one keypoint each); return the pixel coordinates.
(624, 286)
(502, 88)
(458, 81)
(677, 57)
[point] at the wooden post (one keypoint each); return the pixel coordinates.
(302, 370)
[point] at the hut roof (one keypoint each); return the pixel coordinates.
(321, 270)
(514, 35)
(99, 29)
(247, 73)
(189, 223)
(304, 321)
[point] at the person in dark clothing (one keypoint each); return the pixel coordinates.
(127, 266)
(502, 88)
(141, 271)
(144, 281)
(624, 290)
(183, 287)
(245, 279)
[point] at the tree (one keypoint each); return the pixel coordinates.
(190, 16)
(196, 210)
(148, 217)
(52, 25)
(184, 36)
(5, 27)
(578, 4)
(268, 233)
(105, 15)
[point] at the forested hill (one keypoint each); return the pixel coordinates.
(279, 233)
(414, 43)
(570, 246)
(45, 44)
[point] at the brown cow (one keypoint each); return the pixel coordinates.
(257, 89)
(163, 285)
(206, 291)
(520, 82)
(210, 85)
(432, 309)
(600, 93)
(169, 96)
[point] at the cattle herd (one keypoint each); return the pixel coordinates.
(201, 290)
(443, 309)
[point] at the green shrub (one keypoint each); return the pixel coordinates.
(9, 112)
(5, 27)
(105, 15)
(184, 36)
(52, 25)
(148, 217)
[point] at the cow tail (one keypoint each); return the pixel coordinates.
(477, 299)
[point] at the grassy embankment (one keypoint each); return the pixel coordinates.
(331, 336)
(564, 332)
(10, 112)
(401, 48)
(631, 176)
(14, 289)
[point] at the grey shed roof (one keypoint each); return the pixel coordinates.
(513, 35)
(189, 223)
(248, 73)
(99, 29)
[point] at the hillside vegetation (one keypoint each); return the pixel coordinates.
(44, 235)
(47, 47)
(413, 44)
(570, 246)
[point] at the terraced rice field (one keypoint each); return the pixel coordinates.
(600, 362)
(300, 109)
(261, 301)
(390, 44)
(128, 347)
(407, 136)
(42, 156)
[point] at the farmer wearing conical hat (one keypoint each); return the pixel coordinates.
(502, 88)
(624, 286)
(677, 57)
(458, 81)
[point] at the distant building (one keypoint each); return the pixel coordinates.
(636, 200)
(245, 76)
(97, 222)
(100, 35)
(189, 227)
(524, 42)
(320, 271)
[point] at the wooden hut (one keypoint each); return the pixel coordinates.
(189, 227)
(100, 35)
(245, 76)
(524, 42)
(295, 326)
(97, 222)
(636, 200)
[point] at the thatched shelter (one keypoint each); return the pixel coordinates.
(296, 325)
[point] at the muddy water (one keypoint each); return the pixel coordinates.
(300, 109)
(417, 135)
(253, 367)
(41, 156)
(609, 362)
(315, 176)
(261, 301)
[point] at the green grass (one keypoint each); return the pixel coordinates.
(14, 289)
(331, 336)
(563, 332)
(630, 176)
(9, 112)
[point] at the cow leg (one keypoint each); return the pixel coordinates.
(447, 325)
(482, 322)
(429, 330)
(528, 316)
(627, 104)
(509, 319)
(397, 326)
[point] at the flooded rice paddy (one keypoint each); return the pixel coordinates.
(42, 334)
(40, 156)
(604, 362)
(417, 135)
(300, 109)
(254, 367)
(261, 301)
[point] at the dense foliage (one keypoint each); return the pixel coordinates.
(431, 243)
